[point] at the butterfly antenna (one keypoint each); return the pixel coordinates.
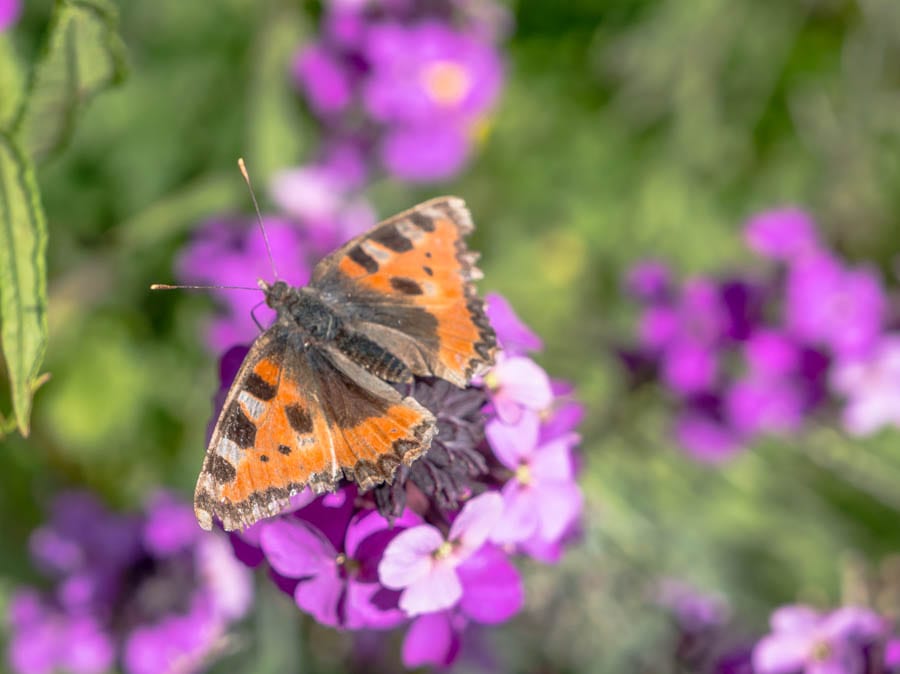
(262, 228)
(166, 286)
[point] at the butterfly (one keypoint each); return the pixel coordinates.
(314, 402)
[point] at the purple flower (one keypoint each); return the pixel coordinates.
(424, 564)
(695, 611)
(649, 281)
(871, 386)
(705, 436)
(517, 384)
(832, 305)
(425, 152)
(9, 13)
(324, 79)
(233, 253)
(689, 367)
(492, 594)
(338, 583)
(541, 499)
(803, 639)
(513, 335)
(142, 591)
(758, 404)
(321, 198)
(782, 234)
(428, 71)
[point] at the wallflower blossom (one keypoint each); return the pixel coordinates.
(761, 353)
(541, 499)
(410, 83)
(146, 592)
(805, 640)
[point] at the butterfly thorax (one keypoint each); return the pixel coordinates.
(305, 309)
(314, 322)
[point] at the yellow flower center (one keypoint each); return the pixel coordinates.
(444, 551)
(821, 651)
(491, 380)
(446, 82)
(523, 473)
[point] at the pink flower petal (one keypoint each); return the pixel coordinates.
(409, 557)
(475, 522)
(319, 596)
(524, 381)
(781, 653)
(512, 333)
(519, 520)
(559, 505)
(513, 443)
(438, 590)
(493, 590)
(553, 462)
(795, 618)
(430, 640)
(295, 549)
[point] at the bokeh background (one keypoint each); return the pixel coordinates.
(624, 130)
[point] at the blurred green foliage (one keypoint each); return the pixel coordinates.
(628, 129)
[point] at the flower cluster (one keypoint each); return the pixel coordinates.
(432, 550)
(149, 593)
(401, 85)
(848, 640)
(760, 352)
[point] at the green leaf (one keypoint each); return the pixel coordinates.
(83, 56)
(12, 81)
(23, 277)
(276, 128)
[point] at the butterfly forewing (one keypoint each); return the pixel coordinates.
(408, 285)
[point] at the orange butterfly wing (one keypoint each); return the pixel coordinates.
(408, 285)
(302, 417)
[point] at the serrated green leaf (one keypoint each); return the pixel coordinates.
(23, 277)
(83, 56)
(12, 82)
(275, 134)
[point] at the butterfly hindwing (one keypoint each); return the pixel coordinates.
(408, 285)
(293, 418)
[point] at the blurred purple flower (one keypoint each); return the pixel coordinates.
(804, 640)
(705, 436)
(649, 281)
(833, 305)
(143, 591)
(782, 234)
(425, 152)
(513, 335)
(9, 13)
(321, 199)
(541, 498)
(423, 564)
(689, 367)
(757, 404)
(428, 71)
(871, 386)
(233, 253)
(695, 611)
(324, 79)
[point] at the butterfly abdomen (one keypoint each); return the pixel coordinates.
(374, 358)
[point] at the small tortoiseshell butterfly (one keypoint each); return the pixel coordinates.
(313, 400)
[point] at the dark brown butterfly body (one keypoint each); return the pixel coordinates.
(313, 400)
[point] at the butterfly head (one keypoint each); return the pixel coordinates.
(275, 293)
